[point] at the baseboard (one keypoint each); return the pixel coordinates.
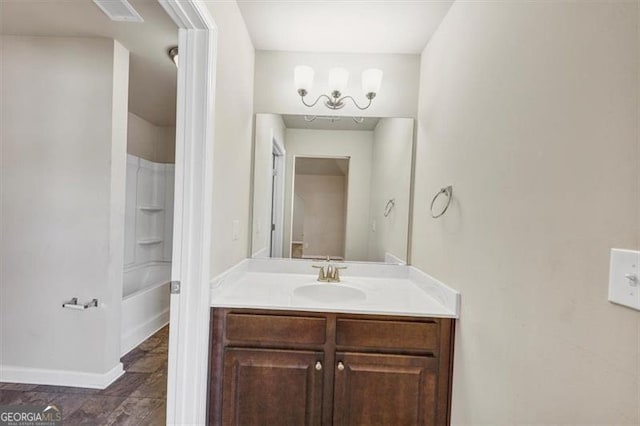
(38, 376)
(141, 333)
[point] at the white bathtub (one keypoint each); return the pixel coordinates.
(145, 303)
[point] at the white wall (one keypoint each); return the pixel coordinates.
(63, 113)
(151, 142)
(116, 208)
(323, 217)
(233, 123)
(390, 179)
(275, 91)
(530, 110)
(268, 127)
(355, 144)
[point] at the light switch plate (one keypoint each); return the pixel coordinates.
(624, 278)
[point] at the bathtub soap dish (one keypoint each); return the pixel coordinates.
(73, 304)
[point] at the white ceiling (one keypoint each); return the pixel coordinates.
(152, 81)
(366, 26)
(325, 123)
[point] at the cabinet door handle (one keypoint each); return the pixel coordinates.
(318, 366)
(340, 366)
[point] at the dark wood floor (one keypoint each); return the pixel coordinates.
(137, 398)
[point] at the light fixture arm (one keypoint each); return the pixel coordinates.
(335, 102)
(303, 93)
(356, 103)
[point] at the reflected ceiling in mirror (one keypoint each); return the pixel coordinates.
(332, 186)
(329, 122)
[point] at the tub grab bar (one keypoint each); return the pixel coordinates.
(73, 304)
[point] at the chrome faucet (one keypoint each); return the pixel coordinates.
(331, 275)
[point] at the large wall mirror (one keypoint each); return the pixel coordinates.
(329, 186)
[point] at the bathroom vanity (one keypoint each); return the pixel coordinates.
(308, 368)
(288, 350)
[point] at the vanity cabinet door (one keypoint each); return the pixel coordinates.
(394, 390)
(272, 387)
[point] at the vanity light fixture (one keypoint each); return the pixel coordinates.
(173, 54)
(338, 78)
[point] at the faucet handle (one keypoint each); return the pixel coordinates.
(336, 273)
(321, 274)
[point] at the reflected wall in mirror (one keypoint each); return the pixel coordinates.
(319, 217)
(332, 187)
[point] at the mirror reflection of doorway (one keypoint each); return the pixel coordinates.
(277, 199)
(319, 207)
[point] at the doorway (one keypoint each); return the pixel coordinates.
(319, 207)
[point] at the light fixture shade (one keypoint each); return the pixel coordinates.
(371, 80)
(338, 78)
(303, 77)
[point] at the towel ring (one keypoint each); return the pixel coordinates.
(390, 205)
(448, 191)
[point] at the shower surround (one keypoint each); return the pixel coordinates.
(147, 254)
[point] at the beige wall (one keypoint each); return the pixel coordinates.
(530, 110)
(151, 142)
(355, 144)
(268, 127)
(390, 179)
(323, 218)
(297, 225)
(233, 136)
(63, 142)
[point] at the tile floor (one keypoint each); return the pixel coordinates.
(137, 398)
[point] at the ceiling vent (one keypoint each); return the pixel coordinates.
(119, 10)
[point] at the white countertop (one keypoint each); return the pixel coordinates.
(388, 289)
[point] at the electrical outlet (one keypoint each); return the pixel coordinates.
(624, 280)
(373, 226)
(235, 230)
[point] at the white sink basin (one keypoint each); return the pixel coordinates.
(329, 293)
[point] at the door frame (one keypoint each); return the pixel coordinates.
(277, 196)
(189, 309)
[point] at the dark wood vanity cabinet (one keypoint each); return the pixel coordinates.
(264, 386)
(372, 389)
(307, 368)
